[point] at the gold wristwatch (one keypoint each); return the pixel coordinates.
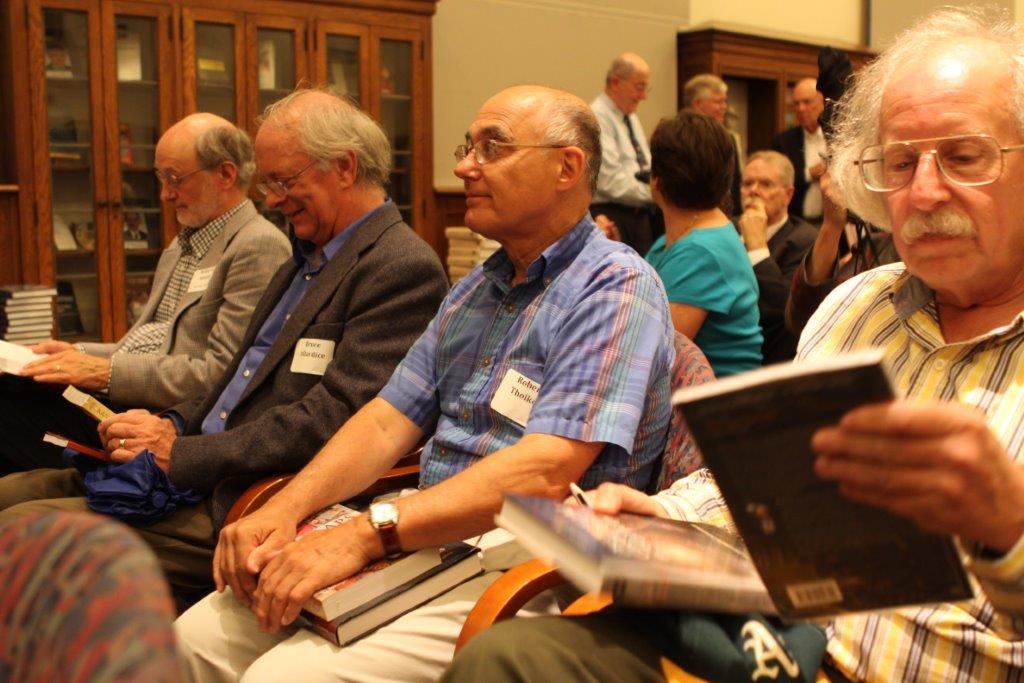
(384, 520)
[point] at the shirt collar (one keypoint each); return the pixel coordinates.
(303, 250)
(611, 105)
(911, 295)
(498, 268)
(196, 241)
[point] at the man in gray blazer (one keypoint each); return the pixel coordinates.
(205, 288)
(335, 321)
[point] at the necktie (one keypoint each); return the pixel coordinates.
(641, 158)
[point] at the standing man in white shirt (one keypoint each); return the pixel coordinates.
(623, 191)
(804, 144)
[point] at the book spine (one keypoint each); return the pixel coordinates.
(322, 628)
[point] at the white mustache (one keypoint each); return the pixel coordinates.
(945, 222)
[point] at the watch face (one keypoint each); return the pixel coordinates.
(382, 514)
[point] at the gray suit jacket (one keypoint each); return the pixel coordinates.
(207, 326)
(374, 299)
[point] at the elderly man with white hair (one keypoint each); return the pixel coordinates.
(929, 144)
(334, 321)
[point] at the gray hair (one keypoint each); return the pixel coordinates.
(697, 87)
(858, 116)
(330, 132)
(781, 163)
(227, 143)
(571, 123)
(620, 68)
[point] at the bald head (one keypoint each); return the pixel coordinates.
(560, 117)
(808, 104)
(627, 81)
(329, 127)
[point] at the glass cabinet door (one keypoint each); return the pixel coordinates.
(277, 63)
(138, 71)
(74, 159)
(397, 105)
(213, 51)
(343, 60)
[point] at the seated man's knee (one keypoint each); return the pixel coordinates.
(497, 653)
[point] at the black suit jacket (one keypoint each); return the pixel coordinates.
(791, 143)
(787, 248)
(373, 299)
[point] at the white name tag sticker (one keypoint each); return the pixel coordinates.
(312, 356)
(515, 397)
(200, 279)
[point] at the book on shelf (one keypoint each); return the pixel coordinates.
(64, 442)
(817, 553)
(26, 305)
(129, 54)
(27, 338)
(9, 293)
(13, 357)
(458, 563)
(69, 320)
(26, 315)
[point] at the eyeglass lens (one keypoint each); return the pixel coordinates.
(967, 160)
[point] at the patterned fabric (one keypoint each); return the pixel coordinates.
(681, 454)
(977, 640)
(82, 599)
(194, 243)
(589, 325)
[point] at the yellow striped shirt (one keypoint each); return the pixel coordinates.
(977, 640)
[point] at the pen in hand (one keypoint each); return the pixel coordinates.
(579, 495)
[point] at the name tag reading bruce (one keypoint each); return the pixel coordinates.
(312, 356)
(515, 397)
(200, 279)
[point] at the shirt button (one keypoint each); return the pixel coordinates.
(308, 276)
(510, 308)
(223, 415)
(246, 373)
(940, 364)
(487, 362)
(443, 451)
(547, 281)
(465, 415)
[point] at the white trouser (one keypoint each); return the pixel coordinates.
(220, 640)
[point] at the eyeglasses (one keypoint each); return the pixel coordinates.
(968, 160)
(281, 185)
(172, 179)
(485, 151)
(753, 183)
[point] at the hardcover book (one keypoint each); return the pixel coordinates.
(817, 553)
(458, 562)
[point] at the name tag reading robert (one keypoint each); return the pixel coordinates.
(515, 397)
(200, 279)
(312, 356)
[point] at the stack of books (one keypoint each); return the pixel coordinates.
(384, 590)
(26, 313)
(466, 250)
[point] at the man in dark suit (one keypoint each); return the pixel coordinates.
(334, 322)
(804, 145)
(776, 243)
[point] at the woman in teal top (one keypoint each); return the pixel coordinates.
(712, 291)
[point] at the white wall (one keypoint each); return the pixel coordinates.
(815, 21)
(482, 46)
(889, 18)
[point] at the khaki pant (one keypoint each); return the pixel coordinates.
(220, 640)
(183, 542)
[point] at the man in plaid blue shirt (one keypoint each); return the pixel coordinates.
(547, 365)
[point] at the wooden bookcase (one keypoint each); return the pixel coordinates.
(94, 83)
(766, 68)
